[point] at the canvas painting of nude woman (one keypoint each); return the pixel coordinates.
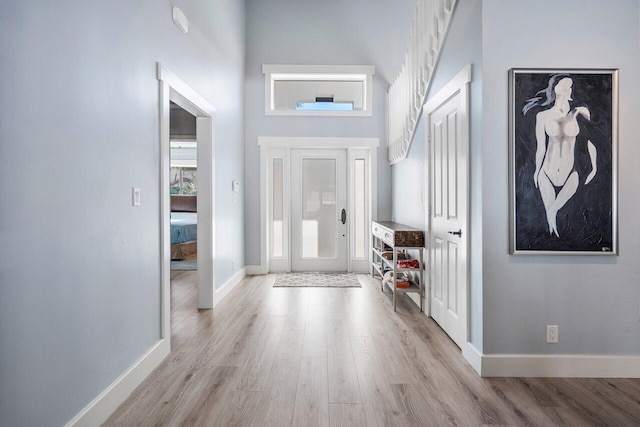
(563, 178)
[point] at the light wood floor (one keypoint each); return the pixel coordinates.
(341, 357)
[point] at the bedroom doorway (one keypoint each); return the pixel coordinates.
(183, 189)
(174, 90)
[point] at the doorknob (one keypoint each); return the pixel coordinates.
(456, 233)
(343, 216)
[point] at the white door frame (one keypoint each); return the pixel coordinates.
(460, 83)
(283, 146)
(172, 88)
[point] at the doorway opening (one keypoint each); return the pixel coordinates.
(183, 189)
(318, 200)
(174, 90)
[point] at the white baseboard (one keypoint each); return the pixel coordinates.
(473, 356)
(254, 270)
(562, 365)
(101, 408)
(223, 290)
(414, 297)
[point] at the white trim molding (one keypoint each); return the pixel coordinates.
(324, 73)
(229, 285)
(101, 408)
(473, 356)
(256, 270)
(553, 365)
(316, 142)
(174, 89)
(452, 87)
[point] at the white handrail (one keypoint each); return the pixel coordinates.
(407, 93)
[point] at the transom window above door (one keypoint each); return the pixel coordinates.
(318, 90)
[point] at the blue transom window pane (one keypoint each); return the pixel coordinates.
(324, 106)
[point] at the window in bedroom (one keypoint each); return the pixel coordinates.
(318, 90)
(184, 168)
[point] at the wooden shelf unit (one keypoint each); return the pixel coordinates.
(397, 239)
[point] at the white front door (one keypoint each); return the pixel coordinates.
(318, 210)
(448, 151)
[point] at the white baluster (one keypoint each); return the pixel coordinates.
(407, 93)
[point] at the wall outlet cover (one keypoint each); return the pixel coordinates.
(552, 334)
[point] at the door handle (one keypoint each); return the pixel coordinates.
(343, 217)
(456, 233)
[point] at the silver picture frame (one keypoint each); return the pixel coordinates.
(563, 161)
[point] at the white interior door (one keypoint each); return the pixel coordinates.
(448, 151)
(318, 210)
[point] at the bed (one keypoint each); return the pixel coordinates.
(184, 227)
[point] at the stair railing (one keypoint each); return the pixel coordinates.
(407, 93)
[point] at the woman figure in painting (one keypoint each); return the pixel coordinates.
(556, 132)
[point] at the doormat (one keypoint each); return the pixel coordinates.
(184, 264)
(317, 280)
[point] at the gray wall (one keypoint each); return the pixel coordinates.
(79, 126)
(594, 300)
(463, 46)
(319, 32)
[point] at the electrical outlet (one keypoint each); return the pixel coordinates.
(233, 265)
(552, 334)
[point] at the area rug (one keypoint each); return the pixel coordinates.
(317, 280)
(184, 264)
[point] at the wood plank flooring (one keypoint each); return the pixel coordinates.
(341, 357)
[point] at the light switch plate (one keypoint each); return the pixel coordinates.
(135, 194)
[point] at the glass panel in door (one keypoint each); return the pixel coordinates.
(318, 197)
(319, 211)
